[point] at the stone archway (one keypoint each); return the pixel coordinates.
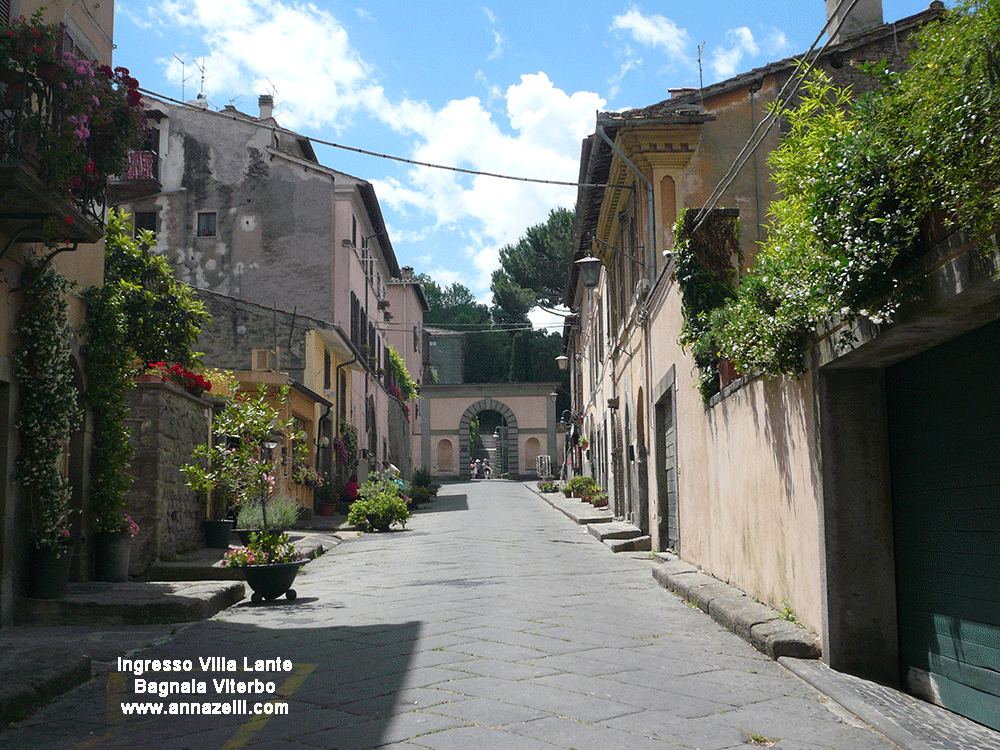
(464, 447)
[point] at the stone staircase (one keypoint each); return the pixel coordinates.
(621, 536)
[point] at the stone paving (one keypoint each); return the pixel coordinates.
(490, 622)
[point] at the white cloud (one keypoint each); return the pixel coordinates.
(726, 60)
(776, 45)
(654, 31)
(322, 81)
(498, 38)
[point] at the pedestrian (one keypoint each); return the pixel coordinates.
(487, 470)
(479, 469)
(472, 469)
(351, 488)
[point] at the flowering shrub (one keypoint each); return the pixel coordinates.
(48, 410)
(266, 548)
(119, 522)
(192, 382)
(95, 117)
(399, 394)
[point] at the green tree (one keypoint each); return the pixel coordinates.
(163, 318)
(535, 270)
(452, 307)
(487, 357)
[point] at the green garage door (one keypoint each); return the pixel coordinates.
(944, 421)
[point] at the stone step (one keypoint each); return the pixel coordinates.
(615, 530)
(131, 603)
(635, 544)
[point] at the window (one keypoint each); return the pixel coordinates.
(144, 220)
(327, 366)
(206, 224)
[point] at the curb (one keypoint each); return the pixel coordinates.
(822, 678)
(47, 675)
(756, 623)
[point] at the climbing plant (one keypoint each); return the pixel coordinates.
(706, 272)
(48, 410)
(108, 358)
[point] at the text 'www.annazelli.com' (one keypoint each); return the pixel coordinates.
(206, 708)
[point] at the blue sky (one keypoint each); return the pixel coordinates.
(500, 87)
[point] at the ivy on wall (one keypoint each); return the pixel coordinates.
(706, 272)
(859, 179)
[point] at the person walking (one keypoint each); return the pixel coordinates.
(487, 470)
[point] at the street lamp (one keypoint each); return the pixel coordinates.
(563, 361)
(590, 271)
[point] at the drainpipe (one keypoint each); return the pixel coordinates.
(651, 223)
(336, 391)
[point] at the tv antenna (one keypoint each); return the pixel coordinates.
(701, 79)
(274, 89)
(184, 77)
(201, 67)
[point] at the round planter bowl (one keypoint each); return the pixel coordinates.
(328, 509)
(271, 581)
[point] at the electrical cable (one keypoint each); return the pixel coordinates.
(379, 155)
(733, 172)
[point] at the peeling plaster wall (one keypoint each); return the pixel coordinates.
(274, 213)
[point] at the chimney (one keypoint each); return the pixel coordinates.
(867, 15)
(407, 272)
(266, 102)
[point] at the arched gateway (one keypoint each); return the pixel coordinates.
(526, 412)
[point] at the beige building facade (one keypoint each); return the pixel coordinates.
(789, 489)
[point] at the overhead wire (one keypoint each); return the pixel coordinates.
(377, 154)
(782, 103)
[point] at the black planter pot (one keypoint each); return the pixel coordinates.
(112, 550)
(244, 535)
(271, 581)
(48, 575)
(217, 533)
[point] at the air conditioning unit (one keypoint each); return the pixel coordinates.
(264, 360)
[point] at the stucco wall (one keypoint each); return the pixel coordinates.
(747, 480)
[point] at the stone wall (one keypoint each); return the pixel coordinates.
(399, 438)
(166, 425)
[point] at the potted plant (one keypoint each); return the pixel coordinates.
(210, 490)
(282, 514)
(113, 547)
(100, 116)
(269, 563)
(379, 506)
(599, 499)
(581, 486)
(326, 499)
(248, 430)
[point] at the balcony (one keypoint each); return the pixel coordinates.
(141, 179)
(30, 209)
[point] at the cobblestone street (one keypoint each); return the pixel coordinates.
(490, 622)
